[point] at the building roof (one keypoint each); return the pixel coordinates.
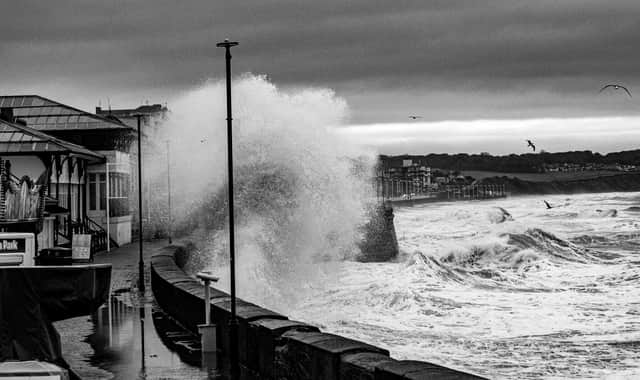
(147, 110)
(47, 115)
(18, 139)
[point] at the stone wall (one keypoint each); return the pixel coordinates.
(273, 347)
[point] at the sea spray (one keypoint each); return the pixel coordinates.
(301, 192)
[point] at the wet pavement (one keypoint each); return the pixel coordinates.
(120, 340)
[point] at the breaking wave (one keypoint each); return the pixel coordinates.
(499, 215)
(505, 261)
(494, 297)
(301, 192)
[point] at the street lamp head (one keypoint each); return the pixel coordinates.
(226, 43)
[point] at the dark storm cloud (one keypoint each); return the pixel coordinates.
(486, 59)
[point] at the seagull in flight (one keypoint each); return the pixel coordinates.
(616, 87)
(548, 205)
(414, 117)
(529, 143)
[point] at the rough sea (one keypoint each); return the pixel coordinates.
(504, 288)
(507, 288)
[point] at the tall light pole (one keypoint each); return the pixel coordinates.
(169, 187)
(141, 258)
(233, 323)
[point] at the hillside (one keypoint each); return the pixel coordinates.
(602, 184)
(517, 163)
(542, 177)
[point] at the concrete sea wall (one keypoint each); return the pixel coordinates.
(270, 345)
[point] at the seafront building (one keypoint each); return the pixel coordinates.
(154, 188)
(407, 168)
(154, 114)
(78, 187)
(40, 181)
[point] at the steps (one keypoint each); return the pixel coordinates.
(86, 226)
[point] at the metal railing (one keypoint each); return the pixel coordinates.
(85, 225)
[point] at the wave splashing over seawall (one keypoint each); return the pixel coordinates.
(301, 192)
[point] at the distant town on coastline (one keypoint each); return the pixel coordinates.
(448, 175)
(521, 163)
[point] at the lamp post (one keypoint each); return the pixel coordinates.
(233, 323)
(169, 187)
(106, 167)
(141, 258)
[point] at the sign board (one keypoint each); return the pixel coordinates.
(12, 245)
(17, 248)
(81, 247)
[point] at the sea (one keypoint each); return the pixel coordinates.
(504, 288)
(507, 288)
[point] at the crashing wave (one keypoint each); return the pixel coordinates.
(548, 244)
(301, 191)
(505, 261)
(499, 215)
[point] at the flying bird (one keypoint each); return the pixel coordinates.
(616, 87)
(529, 143)
(414, 117)
(548, 205)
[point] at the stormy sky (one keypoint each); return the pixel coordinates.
(524, 65)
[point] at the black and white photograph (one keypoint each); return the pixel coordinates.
(319, 190)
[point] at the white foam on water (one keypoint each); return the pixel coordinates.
(523, 298)
(301, 190)
(546, 293)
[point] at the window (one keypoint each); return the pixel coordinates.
(118, 185)
(118, 192)
(92, 191)
(97, 191)
(103, 191)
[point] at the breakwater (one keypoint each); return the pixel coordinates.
(379, 242)
(270, 345)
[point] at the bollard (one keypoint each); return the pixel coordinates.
(208, 338)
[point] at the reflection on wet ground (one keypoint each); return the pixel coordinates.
(121, 341)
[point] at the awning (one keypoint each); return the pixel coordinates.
(16, 139)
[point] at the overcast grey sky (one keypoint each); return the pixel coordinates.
(442, 59)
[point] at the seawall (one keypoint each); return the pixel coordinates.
(270, 345)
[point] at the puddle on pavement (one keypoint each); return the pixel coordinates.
(124, 344)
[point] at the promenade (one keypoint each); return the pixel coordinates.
(109, 344)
